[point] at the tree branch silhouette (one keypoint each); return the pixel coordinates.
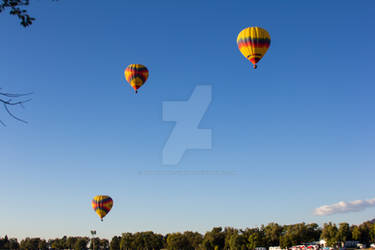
(10, 99)
(16, 8)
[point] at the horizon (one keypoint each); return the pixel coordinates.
(166, 233)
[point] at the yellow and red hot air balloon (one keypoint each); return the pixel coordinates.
(102, 204)
(136, 75)
(253, 43)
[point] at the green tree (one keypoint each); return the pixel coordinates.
(64, 240)
(253, 239)
(177, 241)
(57, 244)
(115, 243)
(330, 234)
(104, 244)
(206, 244)
(356, 234)
(237, 242)
(298, 233)
(13, 244)
(42, 245)
(313, 232)
(256, 239)
(343, 233)
(95, 243)
(364, 229)
(286, 241)
(127, 241)
(81, 243)
(292, 235)
(148, 240)
(142, 240)
(229, 232)
(70, 242)
(30, 243)
(194, 238)
(4, 243)
(186, 241)
(139, 241)
(372, 233)
(215, 239)
(272, 234)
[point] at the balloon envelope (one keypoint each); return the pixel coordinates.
(253, 42)
(136, 75)
(102, 204)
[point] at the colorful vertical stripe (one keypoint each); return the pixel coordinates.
(253, 42)
(136, 75)
(102, 204)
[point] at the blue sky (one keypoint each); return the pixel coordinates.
(295, 134)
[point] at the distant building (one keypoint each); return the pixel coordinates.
(277, 248)
(351, 244)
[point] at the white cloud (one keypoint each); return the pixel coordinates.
(344, 207)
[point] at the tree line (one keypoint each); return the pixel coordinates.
(218, 238)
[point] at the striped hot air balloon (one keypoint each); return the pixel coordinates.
(136, 75)
(253, 43)
(102, 204)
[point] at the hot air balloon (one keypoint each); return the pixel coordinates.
(102, 204)
(136, 75)
(253, 42)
